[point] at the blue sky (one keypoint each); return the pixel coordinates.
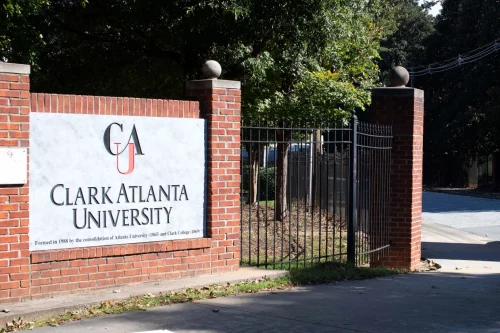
(435, 10)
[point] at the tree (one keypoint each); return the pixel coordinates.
(460, 103)
(457, 120)
(327, 73)
(150, 48)
(291, 55)
(18, 37)
(410, 27)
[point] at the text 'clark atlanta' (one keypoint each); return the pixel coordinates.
(90, 219)
(63, 196)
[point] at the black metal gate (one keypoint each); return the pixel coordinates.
(314, 193)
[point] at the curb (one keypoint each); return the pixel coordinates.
(55, 311)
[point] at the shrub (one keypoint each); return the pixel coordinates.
(266, 180)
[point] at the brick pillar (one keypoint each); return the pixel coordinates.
(14, 207)
(220, 105)
(403, 109)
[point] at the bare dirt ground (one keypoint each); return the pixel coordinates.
(303, 235)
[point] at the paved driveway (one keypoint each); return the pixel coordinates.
(471, 214)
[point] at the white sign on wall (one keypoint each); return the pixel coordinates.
(105, 180)
(13, 165)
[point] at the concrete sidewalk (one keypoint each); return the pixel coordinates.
(459, 251)
(427, 302)
(45, 308)
(461, 297)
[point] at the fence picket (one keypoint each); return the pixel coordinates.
(335, 199)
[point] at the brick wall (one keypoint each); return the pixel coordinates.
(14, 206)
(403, 108)
(25, 275)
(220, 103)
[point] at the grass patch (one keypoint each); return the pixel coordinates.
(298, 276)
(269, 203)
(333, 271)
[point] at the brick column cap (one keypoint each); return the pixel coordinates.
(397, 92)
(212, 83)
(7, 67)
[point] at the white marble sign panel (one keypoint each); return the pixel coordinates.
(105, 180)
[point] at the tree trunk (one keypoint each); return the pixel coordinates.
(495, 172)
(254, 176)
(316, 167)
(281, 205)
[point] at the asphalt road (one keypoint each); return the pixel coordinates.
(471, 214)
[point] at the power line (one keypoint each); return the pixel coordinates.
(463, 59)
(451, 59)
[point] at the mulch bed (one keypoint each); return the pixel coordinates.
(303, 234)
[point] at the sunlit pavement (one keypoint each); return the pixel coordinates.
(471, 214)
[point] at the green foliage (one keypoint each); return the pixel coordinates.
(19, 38)
(320, 96)
(266, 182)
(267, 185)
(410, 25)
(149, 49)
(335, 271)
(342, 40)
(296, 59)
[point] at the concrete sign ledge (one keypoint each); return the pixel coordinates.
(398, 92)
(213, 83)
(6, 67)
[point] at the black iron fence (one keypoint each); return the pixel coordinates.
(314, 193)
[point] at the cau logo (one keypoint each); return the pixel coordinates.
(133, 145)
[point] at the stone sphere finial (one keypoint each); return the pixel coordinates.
(211, 70)
(398, 77)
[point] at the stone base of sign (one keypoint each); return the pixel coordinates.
(28, 275)
(109, 266)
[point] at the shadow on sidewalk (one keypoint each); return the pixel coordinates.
(425, 302)
(462, 251)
